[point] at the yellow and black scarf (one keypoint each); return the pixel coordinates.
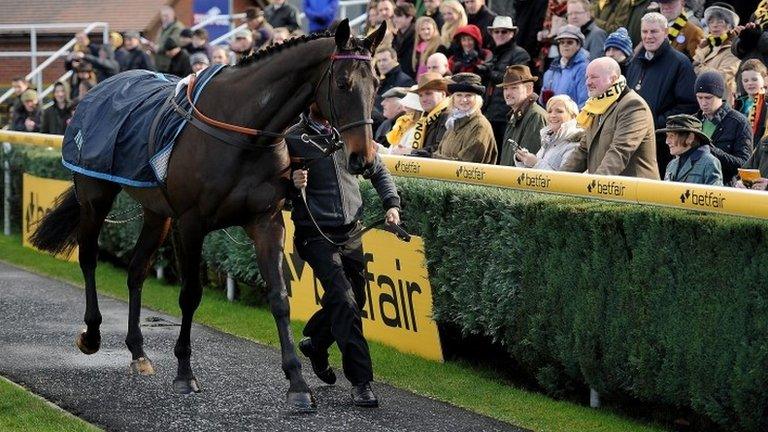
(677, 26)
(420, 133)
(596, 106)
(761, 15)
(716, 41)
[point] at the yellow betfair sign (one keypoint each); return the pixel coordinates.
(713, 199)
(39, 195)
(398, 307)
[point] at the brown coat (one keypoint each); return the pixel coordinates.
(613, 15)
(721, 59)
(692, 35)
(470, 140)
(619, 142)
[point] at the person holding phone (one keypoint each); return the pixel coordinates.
(559, 138)
(527, 118)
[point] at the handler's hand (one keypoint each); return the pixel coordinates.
(393, 216)
(300, 178)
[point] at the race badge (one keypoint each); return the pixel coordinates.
(680, 38)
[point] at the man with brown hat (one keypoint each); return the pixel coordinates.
(429, 130)
(527, 117)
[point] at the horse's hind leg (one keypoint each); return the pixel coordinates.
(152, 234)
(96, 198)
(268, 235)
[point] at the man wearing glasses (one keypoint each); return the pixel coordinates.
(505, 53)
(579, 14)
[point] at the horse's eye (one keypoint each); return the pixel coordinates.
(342, 84)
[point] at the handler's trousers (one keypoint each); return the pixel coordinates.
(341, 271)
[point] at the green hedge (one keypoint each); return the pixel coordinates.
(659, 305)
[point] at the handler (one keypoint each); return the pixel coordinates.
(334, 200)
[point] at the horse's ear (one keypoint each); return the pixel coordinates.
(373, 41)
(342, 34)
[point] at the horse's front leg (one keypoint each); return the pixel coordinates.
(268, 234)
(191, 239)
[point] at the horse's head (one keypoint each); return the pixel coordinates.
(347, 99)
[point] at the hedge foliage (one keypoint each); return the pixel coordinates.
(661, 305)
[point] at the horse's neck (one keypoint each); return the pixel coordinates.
(270, 93)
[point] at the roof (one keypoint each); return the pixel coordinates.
(121, 15)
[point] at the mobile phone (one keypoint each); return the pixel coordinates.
(513, 145)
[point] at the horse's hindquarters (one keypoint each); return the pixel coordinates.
(152, 199)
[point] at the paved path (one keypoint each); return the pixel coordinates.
(243, 386)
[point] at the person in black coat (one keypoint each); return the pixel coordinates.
(727, 128)
(393, 76)
(530, 18)
(135, 57)
(664, 77)
(56, 117)
(432, 10)
(479, 15)
(505, 53)
(180, 64)
(404, 39)
(280, 14)
(26, 118)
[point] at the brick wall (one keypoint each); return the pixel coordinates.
(20, 66)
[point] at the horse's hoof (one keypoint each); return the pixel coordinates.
(186, 385)
(302, 402)
(82, 343)
(142, 366)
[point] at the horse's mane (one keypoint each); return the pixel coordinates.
(272, 49)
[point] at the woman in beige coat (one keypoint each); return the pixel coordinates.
(714, 53)
(469, 135)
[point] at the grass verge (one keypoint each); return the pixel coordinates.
(23, 411)
(477, 390)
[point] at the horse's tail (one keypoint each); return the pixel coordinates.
(56, 232)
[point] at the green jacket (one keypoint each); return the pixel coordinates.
(700, 167)
(162, 61)
(523, 128)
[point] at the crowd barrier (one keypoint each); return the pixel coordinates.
(713, 199)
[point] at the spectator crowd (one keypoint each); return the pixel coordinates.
(665, 89)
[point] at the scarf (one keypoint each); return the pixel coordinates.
(754, 110)
(716, 41)
(401, 126)
(420, 134)
(761, 14)
(596, 106)
(455, 115)
(601, 4)
(677, 26)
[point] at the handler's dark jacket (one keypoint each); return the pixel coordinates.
(333, 194)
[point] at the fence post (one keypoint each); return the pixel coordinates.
(594, 398)
(230, 288)
(6, 189)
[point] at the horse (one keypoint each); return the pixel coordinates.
(212, 184)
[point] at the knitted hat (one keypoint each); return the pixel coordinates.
(131, 34)
(170, 44)
(724, 11)
(711, 82)
(620, 40)
(28, 95)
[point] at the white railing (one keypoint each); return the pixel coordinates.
(36, 75)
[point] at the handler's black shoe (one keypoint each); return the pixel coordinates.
(363, 396)
(319, 361)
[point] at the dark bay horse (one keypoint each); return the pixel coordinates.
(212, 185)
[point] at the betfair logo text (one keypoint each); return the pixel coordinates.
(704, 199)
(472, 173)
(611, 188)
(407, 167)
(538, 181)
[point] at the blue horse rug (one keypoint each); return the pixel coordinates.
(109, 135)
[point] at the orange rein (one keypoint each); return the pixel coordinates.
(210, 121)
